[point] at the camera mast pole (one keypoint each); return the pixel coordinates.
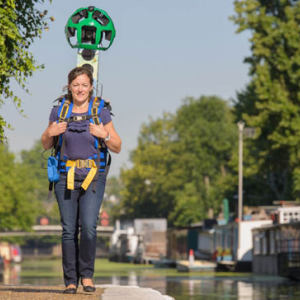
(90, 30)
(90, 59)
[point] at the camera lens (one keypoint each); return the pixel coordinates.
(88, 34)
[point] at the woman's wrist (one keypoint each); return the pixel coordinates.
(49, 133)
(107, 138)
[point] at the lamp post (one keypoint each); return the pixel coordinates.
(241, 125)
(249, 132)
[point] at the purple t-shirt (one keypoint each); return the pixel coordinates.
(78, 142)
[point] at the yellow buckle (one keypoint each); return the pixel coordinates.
(83, 163)
(80, 163)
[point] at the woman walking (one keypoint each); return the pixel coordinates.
(79, 192)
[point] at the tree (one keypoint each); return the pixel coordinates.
(149, 185)
(275, 91)
(180, 163)
(18, 206)
(207, 138)
(20, 23)
(35, 161)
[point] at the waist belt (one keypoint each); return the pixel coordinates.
(80, 164)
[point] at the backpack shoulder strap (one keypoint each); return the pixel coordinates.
(95, 108)
(64, 110)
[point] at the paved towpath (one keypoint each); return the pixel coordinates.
(103, 292)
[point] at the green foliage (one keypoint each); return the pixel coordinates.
(207, 137)
(35, 160)
(271, 102)
(149, 185)
(190, 206)
(18, 207)
(112, 197)
(180, 165)
(20, 23)
(24, 189)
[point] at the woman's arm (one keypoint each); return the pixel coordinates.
(100, 131)
(53, 129)
(114, 143)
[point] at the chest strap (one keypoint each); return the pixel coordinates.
(79, 163)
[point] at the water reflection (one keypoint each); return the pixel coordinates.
(251, 288)
(245, 290)
(198, 287)
(131, 279)
(11, 274)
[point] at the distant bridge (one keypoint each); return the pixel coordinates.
(53, 230)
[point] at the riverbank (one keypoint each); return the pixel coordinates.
(103, 292)
(47, 274)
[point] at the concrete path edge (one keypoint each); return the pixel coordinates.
(118, 292)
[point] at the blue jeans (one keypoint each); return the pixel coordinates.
(79, 209)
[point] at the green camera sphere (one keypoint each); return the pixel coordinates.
(90, 28)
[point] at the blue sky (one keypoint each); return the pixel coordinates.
(164, 51)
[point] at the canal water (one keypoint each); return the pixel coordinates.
(181, 286)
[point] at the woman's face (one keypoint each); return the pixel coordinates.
(80, 88)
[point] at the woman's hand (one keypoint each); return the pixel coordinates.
(55, 128)
(107, 131)
(98, 130)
